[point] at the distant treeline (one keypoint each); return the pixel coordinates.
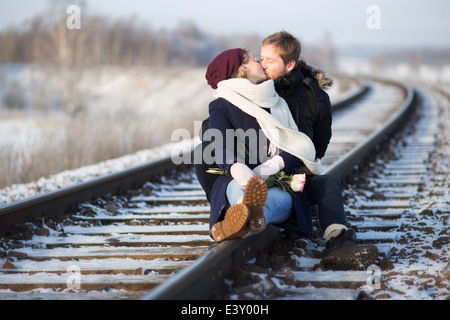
(46, 39)
(105, 41)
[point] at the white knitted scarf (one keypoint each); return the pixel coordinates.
(278, 125)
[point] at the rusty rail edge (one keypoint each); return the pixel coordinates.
(205, 278)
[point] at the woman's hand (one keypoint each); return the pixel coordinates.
(241, 173)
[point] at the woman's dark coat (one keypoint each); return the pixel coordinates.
(225, 116)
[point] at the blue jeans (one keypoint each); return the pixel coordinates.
(278, 206)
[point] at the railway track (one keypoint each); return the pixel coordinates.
(115, 247)
(397, 200)
(376, 113)
(123, 244)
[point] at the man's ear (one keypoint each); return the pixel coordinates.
(291, 65)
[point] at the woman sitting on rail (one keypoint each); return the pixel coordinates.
(253, 136)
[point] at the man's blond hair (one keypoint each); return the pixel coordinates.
(289, 48)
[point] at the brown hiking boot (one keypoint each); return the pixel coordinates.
(255, 196)
(234, 225)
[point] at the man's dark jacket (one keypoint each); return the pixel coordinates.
(302, 88)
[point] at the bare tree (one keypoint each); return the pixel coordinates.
(63, 49)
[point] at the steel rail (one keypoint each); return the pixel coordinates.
(54, 203)
(352, 97)
(344, 165)
(205, 278)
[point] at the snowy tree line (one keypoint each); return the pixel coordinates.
(45, 39)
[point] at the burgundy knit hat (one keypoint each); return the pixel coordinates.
(224, 66)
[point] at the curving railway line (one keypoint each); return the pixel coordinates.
(143, 233)
(358, 127)
(398, 200)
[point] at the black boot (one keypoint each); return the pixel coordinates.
(342, 253)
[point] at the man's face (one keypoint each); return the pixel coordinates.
(272, 63)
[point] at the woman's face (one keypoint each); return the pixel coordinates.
(255, 73)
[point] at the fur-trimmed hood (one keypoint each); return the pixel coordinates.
(323, 79)
(301, 71)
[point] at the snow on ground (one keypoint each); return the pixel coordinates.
(127, 109)
(70, 177)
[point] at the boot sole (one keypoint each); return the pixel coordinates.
(255, 196)
(359, 259)
(233, 226)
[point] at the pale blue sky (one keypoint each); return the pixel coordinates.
(403, 22)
